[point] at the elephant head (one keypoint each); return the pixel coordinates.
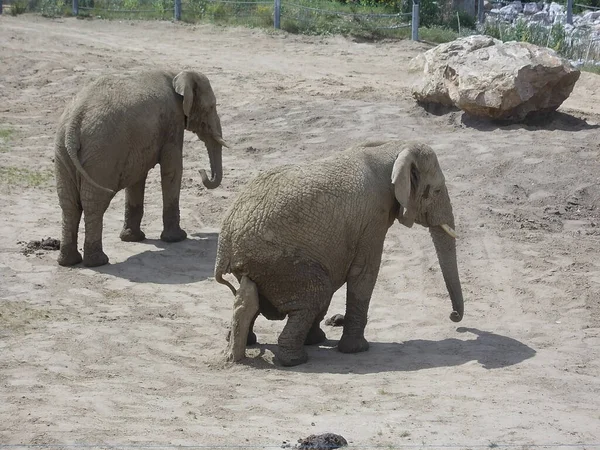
(420, 188)
(200, 109)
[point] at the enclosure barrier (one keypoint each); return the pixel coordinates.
(263, 13)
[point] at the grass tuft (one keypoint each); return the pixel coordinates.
(14, 176)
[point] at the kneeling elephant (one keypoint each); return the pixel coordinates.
(297, 233)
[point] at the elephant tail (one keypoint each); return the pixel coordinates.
(221, 267)
(73, 145)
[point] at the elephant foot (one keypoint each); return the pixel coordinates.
(250, 340)
(95, 259)
(315, 336)
(173, 235)
(69, 258)
(289, 358)
(352, 344)
(130, 235)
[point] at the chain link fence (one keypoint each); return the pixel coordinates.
(295, 16)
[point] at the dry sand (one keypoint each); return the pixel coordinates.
(132, 352)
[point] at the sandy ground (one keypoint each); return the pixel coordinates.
(132, 353)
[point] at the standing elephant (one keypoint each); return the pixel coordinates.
(111, 135)
(296, 234)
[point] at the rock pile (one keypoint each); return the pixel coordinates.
(585, 25)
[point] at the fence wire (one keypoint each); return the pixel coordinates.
(297, 16)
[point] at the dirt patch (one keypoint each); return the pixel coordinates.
(35, 246)
(132, 353)
(323, 441)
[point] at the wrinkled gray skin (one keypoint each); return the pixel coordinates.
(111, 135)
(296, 234)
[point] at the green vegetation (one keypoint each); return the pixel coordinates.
(18, 7)
(576, 46)
(6, 135)
(14, 176)
(579, 9)
(591, 69)
(364, 19)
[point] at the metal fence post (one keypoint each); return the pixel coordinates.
(177, 11)
(570, 12)
(277, 14)
(415, 21)
(480, 11)
(75, 7)
(0, 6)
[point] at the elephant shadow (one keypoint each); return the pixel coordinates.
(188, 261)
(491, 350)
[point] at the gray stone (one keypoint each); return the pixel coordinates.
(560, 19)
(590, 17)
(509, 12)
(555, 9)
(541, 17)
(530, 8)
(517, 6)
(487, 78)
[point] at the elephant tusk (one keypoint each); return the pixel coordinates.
(220, 140)
(449, 230)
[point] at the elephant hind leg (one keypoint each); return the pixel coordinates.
(252, 339)
(316, 335)
(245, 309)
(134, 210)
(69, 255)
(70, 204)
(94, 205)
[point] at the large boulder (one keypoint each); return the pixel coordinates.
(488, 78)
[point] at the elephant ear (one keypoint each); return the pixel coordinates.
(405, 178)
(183, 83)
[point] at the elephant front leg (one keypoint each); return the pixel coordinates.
(171, 169)
(245, 310)
(360, 285)
(69, 255)
(134, 210)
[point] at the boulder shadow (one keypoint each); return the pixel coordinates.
(549, 121)
(491, 350)
(437, 109)
(187, 261)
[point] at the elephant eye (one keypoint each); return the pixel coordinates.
(437, 191)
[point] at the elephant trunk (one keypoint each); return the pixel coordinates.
(445, 247)
(215, 152)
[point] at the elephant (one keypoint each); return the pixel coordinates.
(113, 132)
(296, 234)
